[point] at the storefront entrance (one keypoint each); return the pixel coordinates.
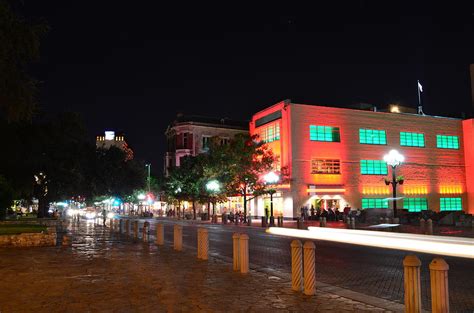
(326, 204)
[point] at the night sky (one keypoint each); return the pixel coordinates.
(132, 66)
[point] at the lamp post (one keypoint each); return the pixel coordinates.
(213, 187)
(271, 178)
(394, 159)
(148, 165)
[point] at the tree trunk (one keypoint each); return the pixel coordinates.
(194, 209)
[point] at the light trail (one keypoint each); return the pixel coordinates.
(439, 245)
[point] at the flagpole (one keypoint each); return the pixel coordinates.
(419, 97)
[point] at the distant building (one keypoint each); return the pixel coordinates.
(191, 134)
(335, 158)
(111, 139)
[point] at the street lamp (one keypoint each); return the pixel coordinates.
(213, 187)
(148, 179)
(271, 178)
(394, 159)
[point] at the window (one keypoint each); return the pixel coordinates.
(450, 204)
(324, 133)
(373, 167)
(185, 140)
(372, 137)
(412, 139)
(319, 166)
(224, 141)
(205, 142)
(415, 204)
(270, 133)
(447, 142)
(375, 203)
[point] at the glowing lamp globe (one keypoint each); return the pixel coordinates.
(394, 158)
(271, 178)
(213, 186)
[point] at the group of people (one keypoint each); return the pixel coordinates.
(331, 214)
(239, 216)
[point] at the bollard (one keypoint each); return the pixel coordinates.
(325, 221)
(244, 253)
(296, 265)
(111, 223)
(236, 251)
(439, 286)
(135, 229)
(160, 234)
(120, 226)
(264, 221)
(412, 286)
(353, 222)
(249, 220)
(146, 227)
(127, 227)
(204, 244)
(199, 243)
(178, 238)
(429, 227)
(422, 225)
(387, 220)
(224, 218)
(309, 269)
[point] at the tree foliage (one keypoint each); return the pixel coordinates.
(20, 45)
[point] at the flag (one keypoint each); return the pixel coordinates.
(420, 87)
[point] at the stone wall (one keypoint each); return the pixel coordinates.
(30, 239)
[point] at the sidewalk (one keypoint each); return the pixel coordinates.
(104, 272)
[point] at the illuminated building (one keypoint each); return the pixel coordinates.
(191, 135)
(335, 157)
(110, 139)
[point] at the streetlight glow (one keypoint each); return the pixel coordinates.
(213, 186)
(271, 178)
(141, 196)
(394, 158)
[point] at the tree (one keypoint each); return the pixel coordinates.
(20, 45)
(241, 165)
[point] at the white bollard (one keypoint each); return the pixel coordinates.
(412, 285)
(204, 244)
(160, 234)
(422, 225)
(439, 286)
(178, 237)
(309, 268)
(296, 265)
(429, 227)
(244, 253)
(236, 251)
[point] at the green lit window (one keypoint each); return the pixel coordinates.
(447, 142)
(324, 133)
(374, 203)
(450, 204)
(412, 139)
(415, 204)
(373, 167)
(270, 133)
(372, 136)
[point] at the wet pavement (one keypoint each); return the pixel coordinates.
(103, 271)
(372, 271)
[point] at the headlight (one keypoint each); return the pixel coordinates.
(110, 215)
(90, 215)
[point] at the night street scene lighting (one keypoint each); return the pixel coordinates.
(307, 156)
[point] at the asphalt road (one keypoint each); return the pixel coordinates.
(372, 271)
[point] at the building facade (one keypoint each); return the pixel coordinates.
(111, 139)
(335, 156)
(191, 135)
